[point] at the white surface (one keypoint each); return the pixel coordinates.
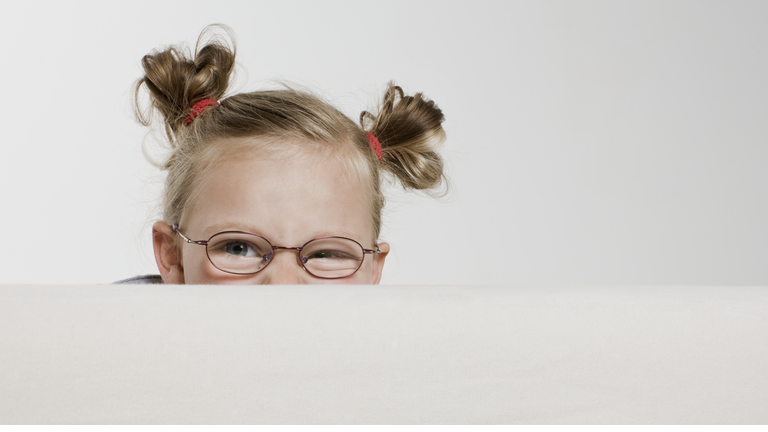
(346, 354)
(590, 142)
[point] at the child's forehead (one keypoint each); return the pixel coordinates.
(282, 194)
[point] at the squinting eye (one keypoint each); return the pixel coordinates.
(239, 249)
(330, 254)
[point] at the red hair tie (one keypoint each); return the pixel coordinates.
(198, 108)
(375, 145)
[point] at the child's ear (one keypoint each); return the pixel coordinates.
(378, 263)
(167, 254)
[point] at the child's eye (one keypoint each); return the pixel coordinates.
(330, 254)
(239, 252)
(240, 249)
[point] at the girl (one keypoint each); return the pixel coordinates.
(276, 187)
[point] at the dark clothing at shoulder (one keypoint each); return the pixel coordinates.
(144, 280)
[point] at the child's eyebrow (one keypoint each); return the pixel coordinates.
(231, 226)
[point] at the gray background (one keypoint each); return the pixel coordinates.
(591, 142)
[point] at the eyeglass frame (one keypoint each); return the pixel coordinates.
(274, 248)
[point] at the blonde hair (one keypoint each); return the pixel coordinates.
(408, 127)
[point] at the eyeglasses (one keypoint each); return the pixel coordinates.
(245, 253)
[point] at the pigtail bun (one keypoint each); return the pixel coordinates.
(409, 130)
(176, 80)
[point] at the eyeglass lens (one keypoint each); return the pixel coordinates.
(243, 253)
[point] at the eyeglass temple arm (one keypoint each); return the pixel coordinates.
(369, 251)
(198, 242)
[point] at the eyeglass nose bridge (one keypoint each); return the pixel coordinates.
(303, 259)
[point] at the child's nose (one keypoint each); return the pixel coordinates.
(284, 269)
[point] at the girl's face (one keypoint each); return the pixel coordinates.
(288, 201)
